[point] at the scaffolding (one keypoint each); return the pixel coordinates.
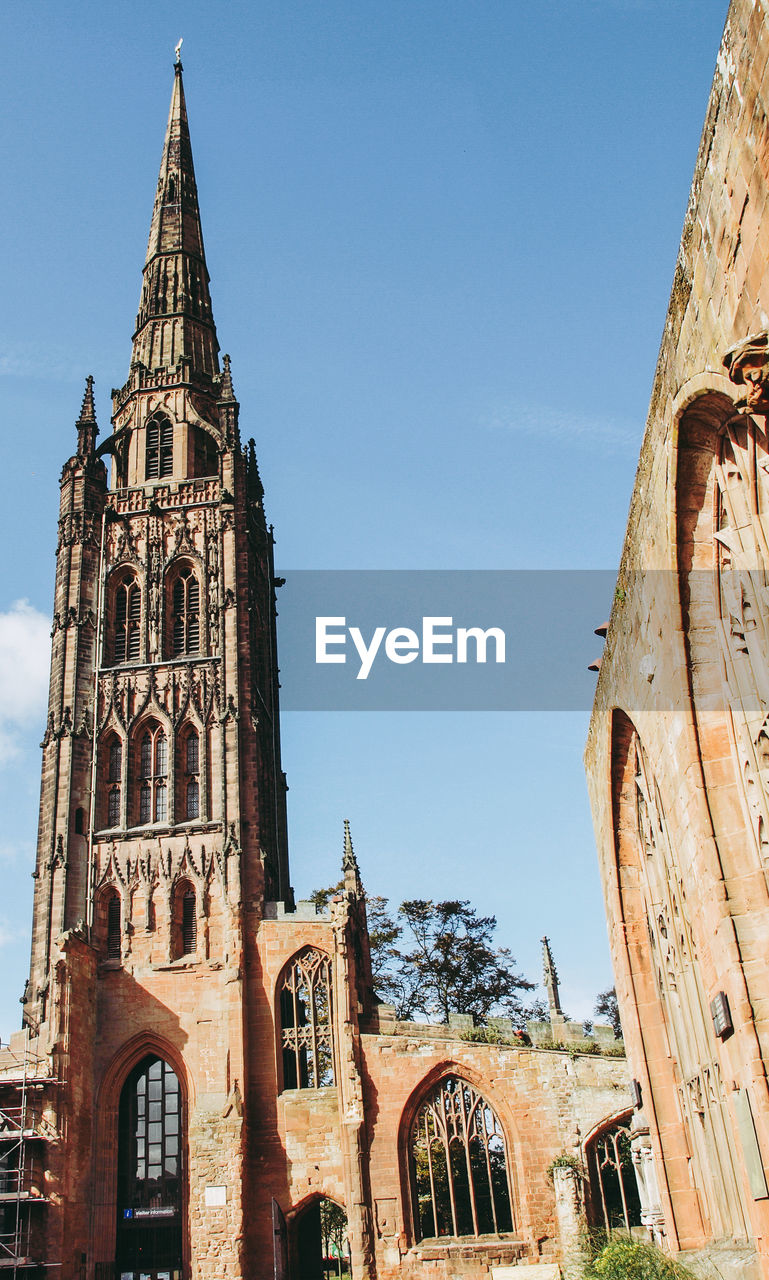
(24, 1133)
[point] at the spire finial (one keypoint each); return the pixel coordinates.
(348, 853)
(228, 392)
(551, 980)
(352, 880)
(87, 410)
(178, 53)
(87, 429)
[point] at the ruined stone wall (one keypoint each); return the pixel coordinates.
(676, 809)
(548, 1103)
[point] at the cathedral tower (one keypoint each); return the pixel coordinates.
(165, 612)
(162, 820)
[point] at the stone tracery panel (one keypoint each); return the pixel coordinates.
(305, 995)
(459, 1168)
(661, 946)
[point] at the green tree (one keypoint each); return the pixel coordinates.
(606, 1007)
(452, 966)
(333, 1231)
(431, 959)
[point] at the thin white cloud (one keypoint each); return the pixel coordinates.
(24, 662)
(614, 435)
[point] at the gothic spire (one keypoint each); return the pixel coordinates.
(352, 880)
(175, 322)
(551, 980)
(87, 430)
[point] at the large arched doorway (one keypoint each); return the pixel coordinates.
(150, 1183)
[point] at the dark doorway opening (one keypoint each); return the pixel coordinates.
(322, 1250)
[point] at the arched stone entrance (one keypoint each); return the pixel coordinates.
(320, 1248)
(149, 1234)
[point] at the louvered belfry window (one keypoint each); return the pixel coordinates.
(159, 453)
(189, 922)
(127, 629)
(113, 926)
(153, 776)
(306, 1022)
(185, 609)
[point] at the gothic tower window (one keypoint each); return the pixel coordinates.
(150, 1172)
(185, 921)
(185, 612)
(205, 456)
(159, 451)
(459, 1172)
(153, 775)
(126, 632)
(111, 771)
(191, 782)
(306, 1021)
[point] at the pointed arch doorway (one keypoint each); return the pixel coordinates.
(150, 1186)
(320, 1244)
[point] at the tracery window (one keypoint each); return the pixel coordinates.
(613, 1187)
(192, 772)
(114, 779)
(159, 450)
(459, 1172)
(185, 613)
(306, 1021)
(126, 634)
(153, 776)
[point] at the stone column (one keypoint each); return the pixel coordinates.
(642, 1155)
(570, 1220)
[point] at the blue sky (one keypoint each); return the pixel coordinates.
(441, 238)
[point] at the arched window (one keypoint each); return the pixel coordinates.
(459, 1172)
(306, 1022)
(614, 1200)
(185, 921)
(192, 776)
(205, 460)
(159, 452)
(150, 1172)
(113, 927)
(126, 632)
(185, 613)
(153, 776)
(111, 771)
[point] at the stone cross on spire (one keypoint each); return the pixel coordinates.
(551, 980)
